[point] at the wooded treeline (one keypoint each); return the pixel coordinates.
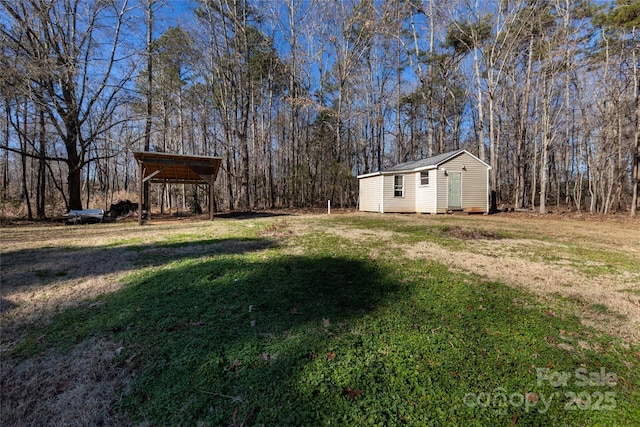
(300, 96)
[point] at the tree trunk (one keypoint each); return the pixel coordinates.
(23, 163)
(5, 166)
(522, 131)
(635, 165)
(543, 172)
(480, 125)
(42, 168)
(74, 186)
(149, 116)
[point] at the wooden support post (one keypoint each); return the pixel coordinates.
(211, 203)
(140, 192)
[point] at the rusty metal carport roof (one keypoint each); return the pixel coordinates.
(176, 169)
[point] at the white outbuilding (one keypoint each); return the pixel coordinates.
(452, 181)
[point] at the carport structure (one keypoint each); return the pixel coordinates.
(166, 168)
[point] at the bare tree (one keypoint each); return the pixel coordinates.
(57, 45)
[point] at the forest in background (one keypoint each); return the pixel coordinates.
(298, 97)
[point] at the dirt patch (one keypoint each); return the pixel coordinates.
(464, 233)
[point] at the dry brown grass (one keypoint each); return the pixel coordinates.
(549, 281)
(46, 269)
(518, 262)
(55, 389)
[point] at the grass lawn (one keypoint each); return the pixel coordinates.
(321, 320)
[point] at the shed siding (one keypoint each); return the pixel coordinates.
(400, 204)
(475, 194)
(426, 194)
(371, 194)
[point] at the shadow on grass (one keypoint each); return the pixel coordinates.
(208, 336)
(50, 266)
(6, 305)
(241, 215)
(271, 339)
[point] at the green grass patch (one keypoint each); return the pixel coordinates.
(247, 332)
(596, 262)
(182, 238)
(445, 233)
(452, 232)
(587, 260)
(600, 308)
(132, 241)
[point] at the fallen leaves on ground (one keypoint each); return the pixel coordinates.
(235, 365)
(348, 391)
(62, 386)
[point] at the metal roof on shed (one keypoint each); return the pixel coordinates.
(424, 163)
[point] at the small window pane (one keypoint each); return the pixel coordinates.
(398, 186)
(424, 178)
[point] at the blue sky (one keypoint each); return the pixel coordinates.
(174, 13)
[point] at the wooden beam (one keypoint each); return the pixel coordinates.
(208, 163)
(140, 191)
(147, 178)
(211, 203)
(178, 181)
